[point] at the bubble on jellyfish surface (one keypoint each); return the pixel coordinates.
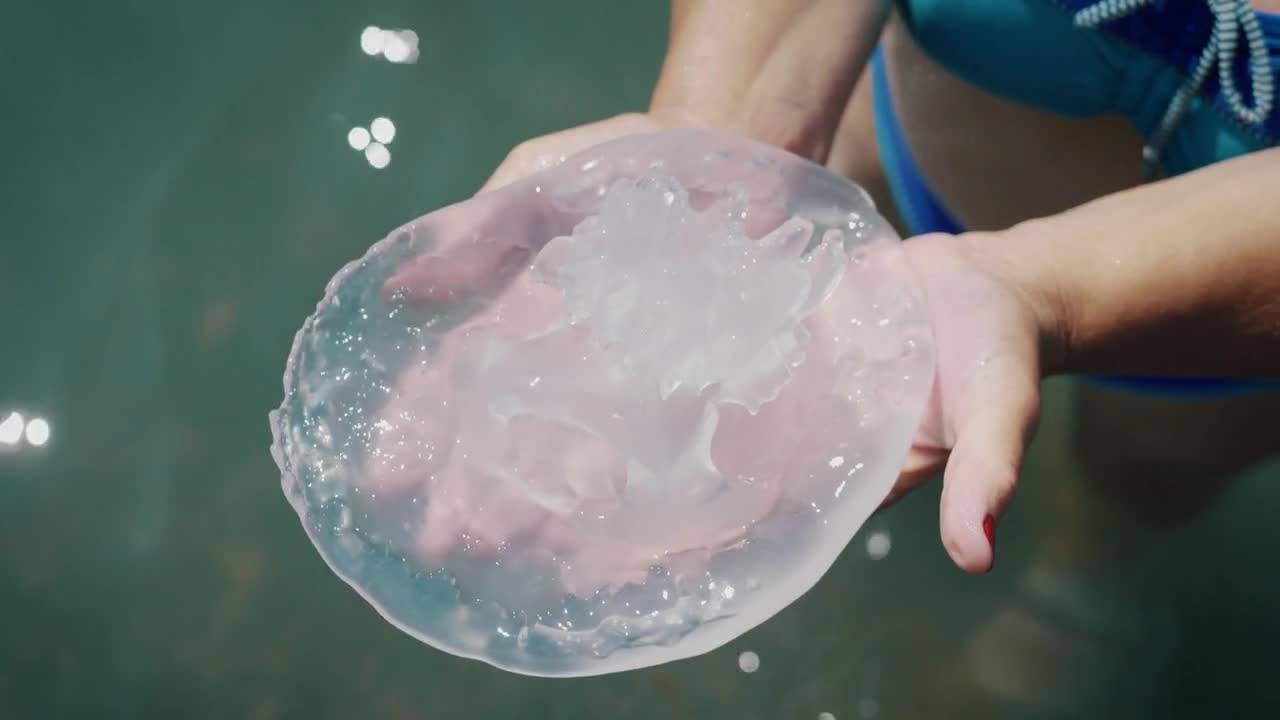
(613, 415)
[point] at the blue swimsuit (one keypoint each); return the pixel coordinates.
(1196, 78)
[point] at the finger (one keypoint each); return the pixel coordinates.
(921, 465)
(482, 243)
(466, 270)
(475, 247)
(992, 433)
(551, 150)
(481, 246)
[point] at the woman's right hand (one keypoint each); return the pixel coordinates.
(547, 151)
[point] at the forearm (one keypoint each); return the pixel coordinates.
(779, 71)
(1181, 277)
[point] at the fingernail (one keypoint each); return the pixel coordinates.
(989, 529)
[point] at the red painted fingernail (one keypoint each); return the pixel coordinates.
(989, 529)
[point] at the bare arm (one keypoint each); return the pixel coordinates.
(1177, 278)
(780, 71)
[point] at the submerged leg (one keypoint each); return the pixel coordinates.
(1094, 622)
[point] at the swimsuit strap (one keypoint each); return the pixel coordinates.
(1230, 19)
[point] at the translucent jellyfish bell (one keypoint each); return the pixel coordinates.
(612, 415)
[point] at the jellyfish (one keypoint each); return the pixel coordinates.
(613, 415)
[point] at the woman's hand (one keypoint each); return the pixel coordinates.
(990, 333)
(1177, 278)
(543, 152)
(1127, 284)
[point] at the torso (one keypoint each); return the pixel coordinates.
(1062, 129)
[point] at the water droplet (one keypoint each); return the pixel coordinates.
(878, 545)
(384, 131)
(11, 429)
(400, 46)
(378, 155)
(372, 40)
(358, 138)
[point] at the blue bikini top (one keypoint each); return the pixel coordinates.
(1195, 77)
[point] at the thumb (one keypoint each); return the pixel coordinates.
(1000, 409)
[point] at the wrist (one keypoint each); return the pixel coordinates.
(797, 129)
(780, 73)
(1022, 260)
(1158, 279)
